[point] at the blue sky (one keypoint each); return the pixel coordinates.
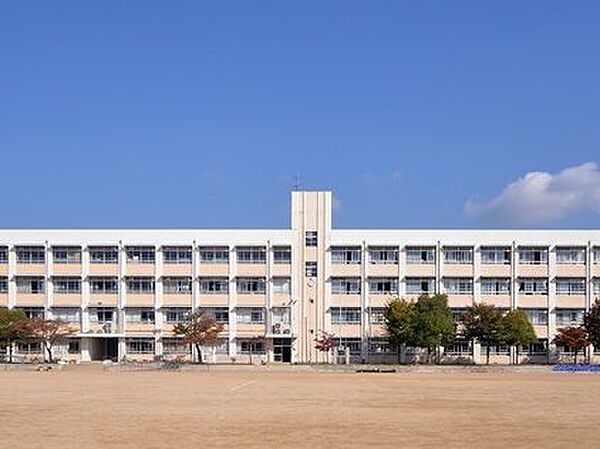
(190, 114)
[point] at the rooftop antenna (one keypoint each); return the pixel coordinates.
(297, 183)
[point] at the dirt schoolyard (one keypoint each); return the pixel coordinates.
(87, 407)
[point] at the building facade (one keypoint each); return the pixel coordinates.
(275, 291)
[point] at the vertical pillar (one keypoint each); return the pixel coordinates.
(12, 273)
(364, 304)
(269, 298)
(232, 303)
(49, 284)
(551, 307)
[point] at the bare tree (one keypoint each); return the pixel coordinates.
(198, 330)
(325, 342)
(47, 332)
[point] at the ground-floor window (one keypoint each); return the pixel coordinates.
(73, 346)
(29, 348)
(495, 349)
(140, 346)
(173, 345)
(538, 348)
(352, 343)
(380, 345)
(459, 347)
(254, 347)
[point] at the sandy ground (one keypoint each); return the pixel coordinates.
(89, 408)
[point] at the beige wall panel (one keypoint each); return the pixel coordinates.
(252, 270)
(250, 330)
(3, 269)
(31, 269)
(104, 269)
(345, 300)
(140, 269)
(251, 300)
(173, 300)
(214, 269)
(66, 269)
(502, 301)
(457, 270)
(460, 300)
(343, 270)
(103, 300)
(529, 301)
(282, 270)
(495, 271)
(596, 270)
(31, 300)
(383, 270)
(214, 300)
(346, 330)
(177, 269)
(532, 270)
(380, 300)
(578, 271)
(420, 270)
(3, 300)
(66, 300)
(570, 301)
(144, 330)
(541, 331)
(279, 299)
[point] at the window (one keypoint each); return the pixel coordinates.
(73, 346)
(177, 285)
(30, 285)
(377, 315)
(569, 317)
(310, 269)
(176, 314)
(66, 254)
(67, 285)
(533, 286)
(33, 312)
(596, 253)
(281, 286)
(345, 315)
(31, 254)
(420, 255)
(102, 315)
(458, 255)
(383, 286)
(104, 254)
(533, 255)
(459, 348)
(251, 254)
(140, 285)
(420, 286)
(351, 343)
(140, 345)
(345, 286)
(495, 286)
(385, 255)
(495, 255)
(538, 348)
(140, 254)
(173, 345)
(104, 285)
(251, 347)
(3, 254)
(139, 316)
(29, 348)
(380, 345)
(570, 286)
(311, 238)
(570, 256)
(67, 314)
(214, 286)
(281, 315)
(495, 349)
(177, 254)
(3, 285)
(597, 286)
(458, 286)
(250, 315)
(537, 317)
(214, 254)
(220, 314)
(251, 286)
(282, 254)
(458, 313)
(345, 255)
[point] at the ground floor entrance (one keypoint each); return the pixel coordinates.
(104, 348)
(282, 350)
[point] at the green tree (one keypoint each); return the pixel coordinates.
(11, 329)
(198, 330)
(572, 337)
(400, 316)
(591, 323)
(483, 323)
(434, 326)
(517, 330)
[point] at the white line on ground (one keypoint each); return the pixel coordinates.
(242, 385)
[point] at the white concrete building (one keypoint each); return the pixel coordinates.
(275, 290)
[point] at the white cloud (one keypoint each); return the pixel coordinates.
(540, 197)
